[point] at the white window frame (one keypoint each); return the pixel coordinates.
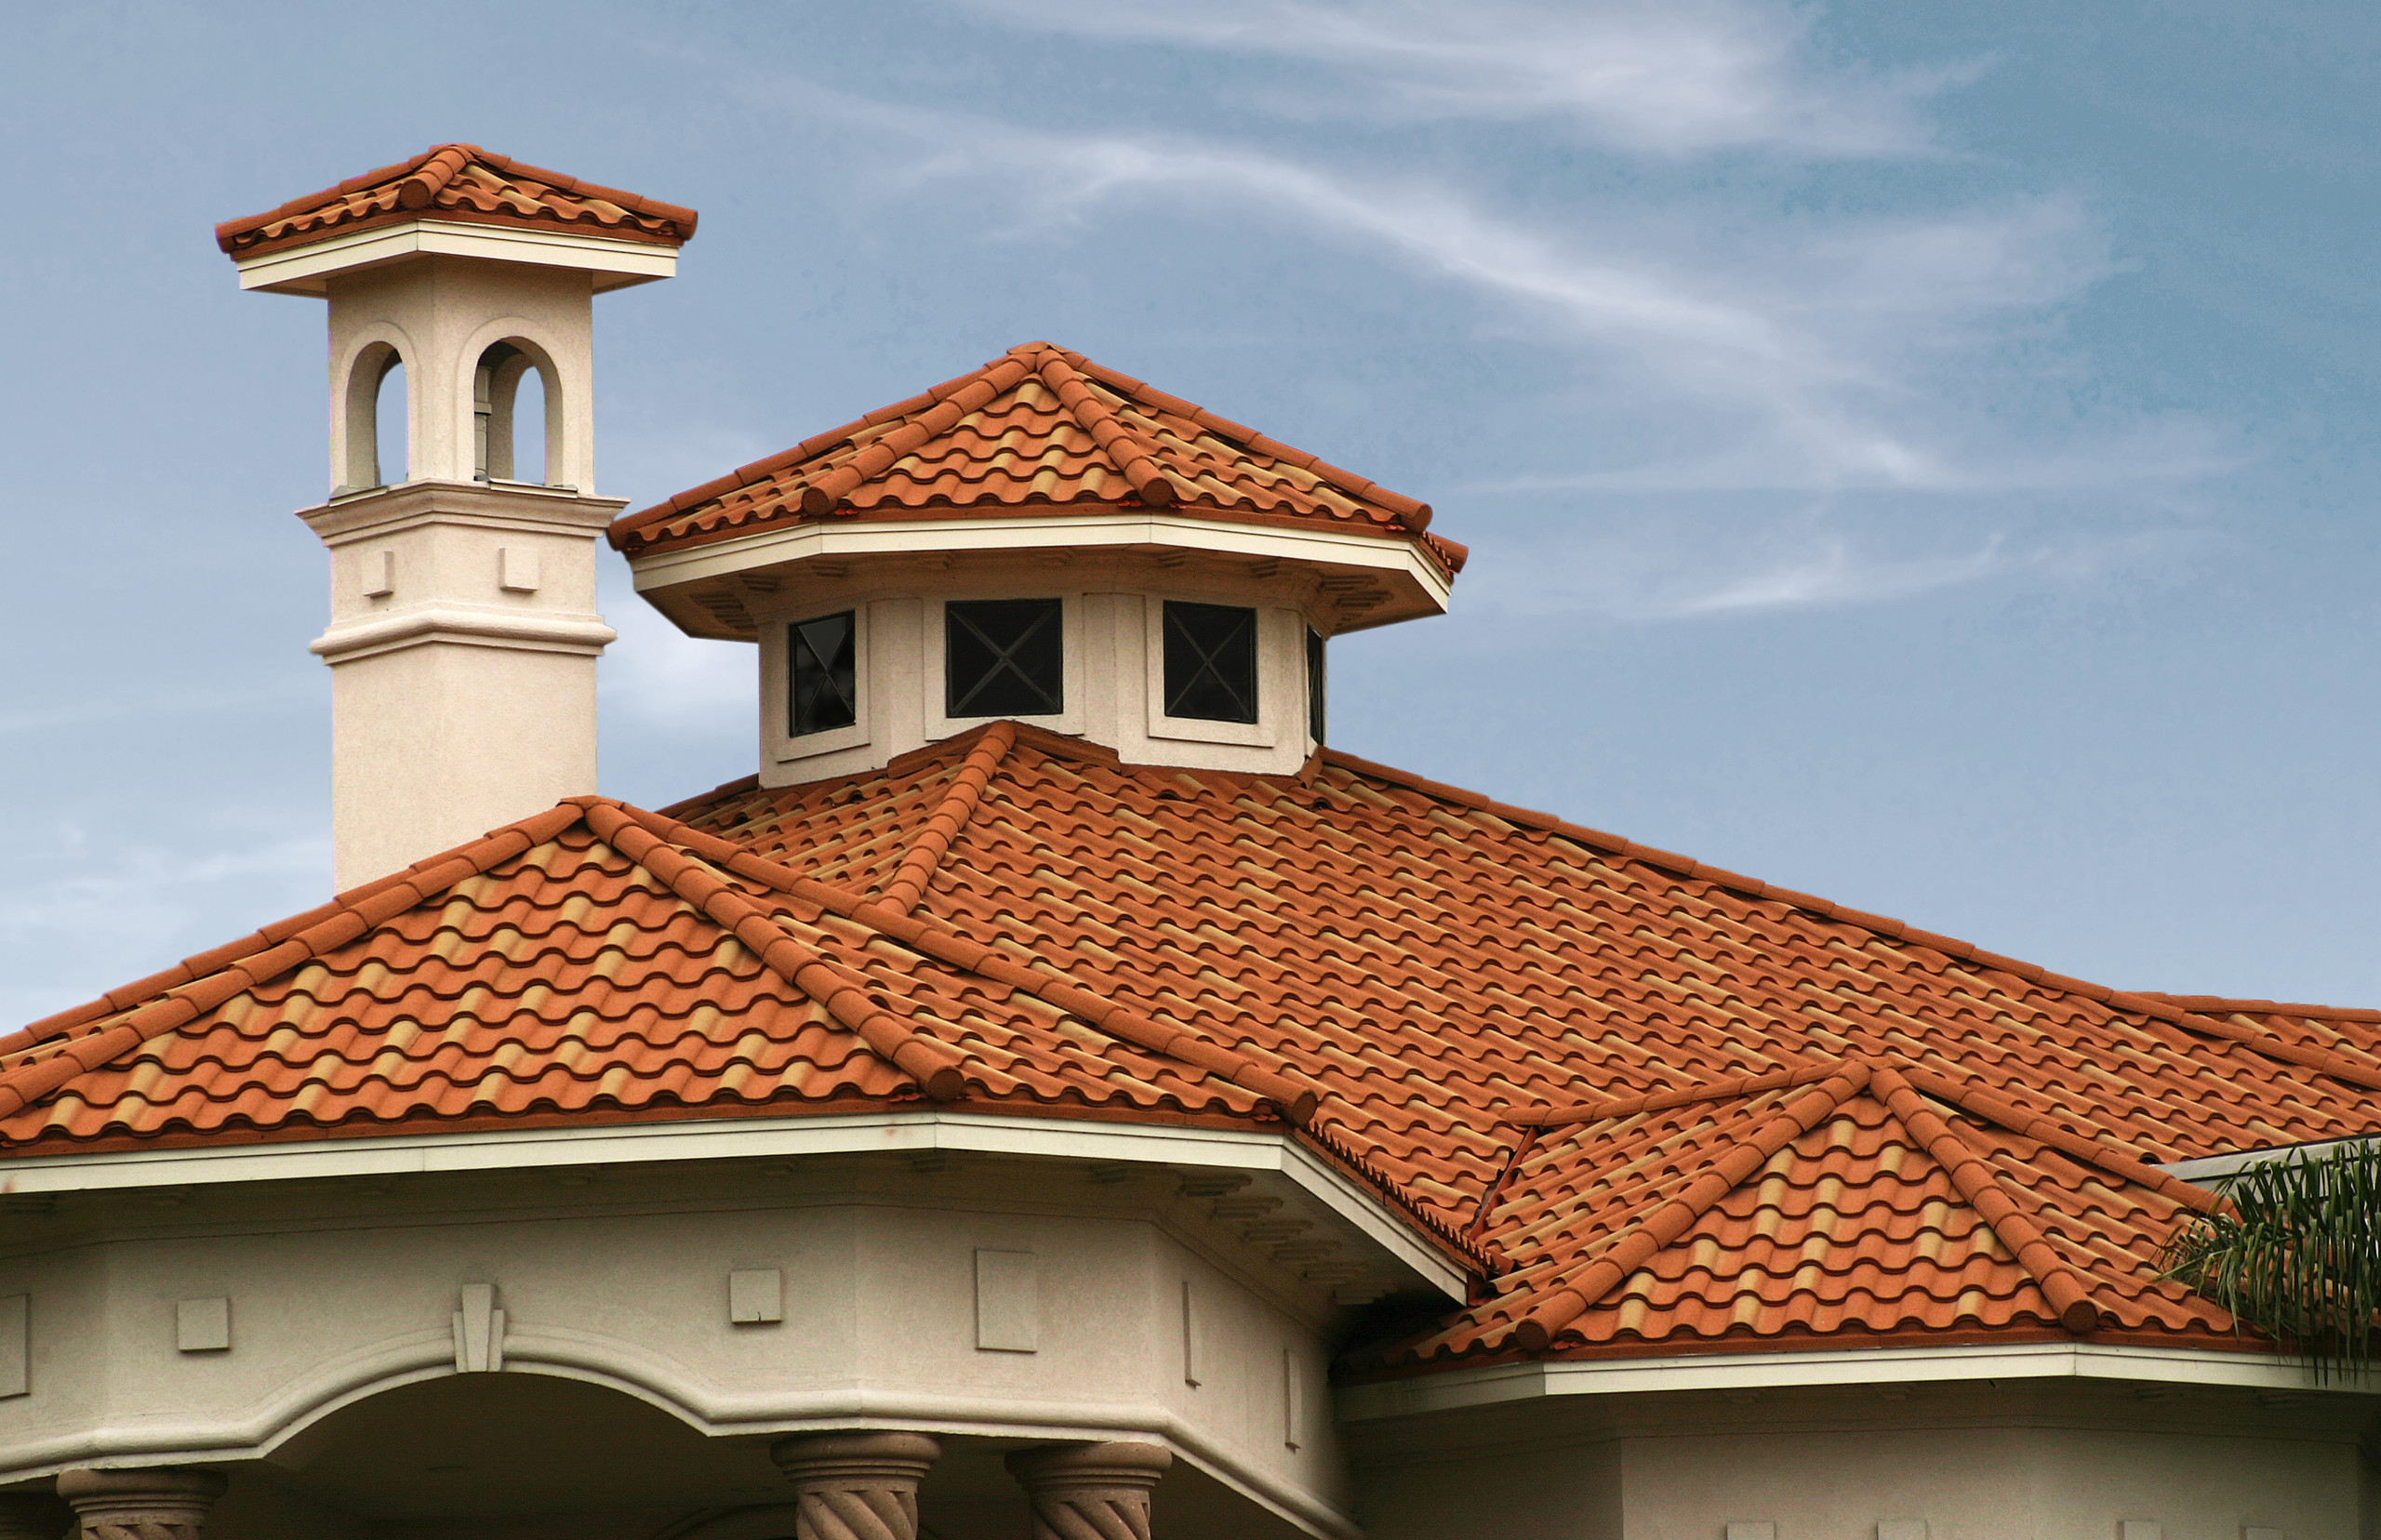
(776, 687)
(1071, 672)
(1272, 626)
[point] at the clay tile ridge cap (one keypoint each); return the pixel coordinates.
(1293, 1097)
(2170, 1009)
(926, 417)
(419, 180)
(2068, 1290)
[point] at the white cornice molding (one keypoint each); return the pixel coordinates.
(409, 505)
(305, 270)
(471, 626)
(749, 1139)
(1395, 557)
(2208, 1168)
(1467, 1390)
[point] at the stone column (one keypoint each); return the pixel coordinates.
(155, 1503)
(856, 1486)
(1090, 1492)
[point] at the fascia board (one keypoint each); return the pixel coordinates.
(860, 538)
(742, 1138)
(304, 269)
(2209, 1168)
(1465, 1390)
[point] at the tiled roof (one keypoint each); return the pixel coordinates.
(1668, 1107)
(1441, 964)
(463, 183)
(1037, 430)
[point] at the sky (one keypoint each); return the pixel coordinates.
(1924, 456)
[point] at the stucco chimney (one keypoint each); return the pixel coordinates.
(463, 633)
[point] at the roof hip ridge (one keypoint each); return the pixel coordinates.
(1982, 1188)
(1991, 1107)
(880, 454)
(1133, 456)
(242, 966)
(1655, 1101)
(907, 887)
(936, 1066)
(1295, 1101)
(1575, 1294)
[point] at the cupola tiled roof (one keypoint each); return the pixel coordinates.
(1660, 1106)
(465, 184)
(1038, 431)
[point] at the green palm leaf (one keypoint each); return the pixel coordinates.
(2295, 1252)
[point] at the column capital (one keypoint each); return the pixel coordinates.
(143, 1503)
(856, 1486)
(1091, 1491)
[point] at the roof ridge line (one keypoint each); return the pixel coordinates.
(2208, 1004)
(628, 525)
(935, 1065)
(440, 166)
(1296, 1102)
(1412, 512)
(1992, 1108)
(907, 886)
(880, 454)
(1655, 1101)
(1135, 458)
(1573, 1294)
(1886, 925)
(356, 913)
(1980, 1185)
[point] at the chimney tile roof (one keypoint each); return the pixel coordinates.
(462, 183)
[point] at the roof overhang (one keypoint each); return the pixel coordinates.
(306, 269)
(1268, 1159)
(1470, 1389)
(1382, 578)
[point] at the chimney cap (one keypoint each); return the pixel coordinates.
(461, 200)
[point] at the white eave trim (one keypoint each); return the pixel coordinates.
(1468, 1389)
(846, 539)
(748, 1138)
(303, 270)
(2209, 1168)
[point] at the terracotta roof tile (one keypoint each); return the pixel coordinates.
(1672, 1106)
(461, 183)
(1038, 431)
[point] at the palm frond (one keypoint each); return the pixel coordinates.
(2295, 1252)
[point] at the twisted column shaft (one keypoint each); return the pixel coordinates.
(856, 1486)
(1090, 1492)
(158, 1503)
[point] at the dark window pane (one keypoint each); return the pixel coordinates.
(1314, 685)
(1003, 657)
(1210, 662)
(825, 679)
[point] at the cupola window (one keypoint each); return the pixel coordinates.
(1210, 662)
(1003, 657)
(825, 675)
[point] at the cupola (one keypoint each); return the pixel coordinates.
(463, 633)
(1046, 541)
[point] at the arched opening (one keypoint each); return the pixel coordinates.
(378, 441)
(513, 411)
(391, 428)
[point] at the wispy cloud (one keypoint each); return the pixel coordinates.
(1778, 353)
(1674, 78)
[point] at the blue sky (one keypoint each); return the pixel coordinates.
(1922, 454)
